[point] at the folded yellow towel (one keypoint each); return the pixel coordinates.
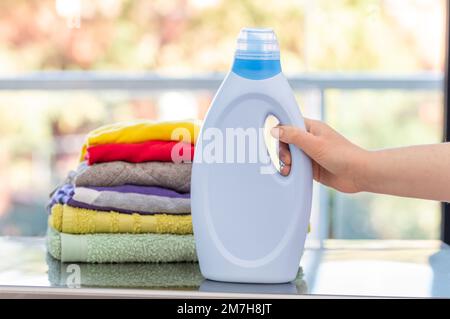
(139, 131)
(74, 220)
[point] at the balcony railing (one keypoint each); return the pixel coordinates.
(70, 80)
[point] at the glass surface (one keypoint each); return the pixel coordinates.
(342, 268)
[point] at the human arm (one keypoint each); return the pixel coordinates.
(421, 171)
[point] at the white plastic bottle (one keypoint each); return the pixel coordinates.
(249, 225)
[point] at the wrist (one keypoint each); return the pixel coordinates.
(361, 178)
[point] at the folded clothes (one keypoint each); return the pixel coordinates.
(168, 175)
(72, 220)
(65, 190)
(134, 189)
(129, 275)
(120, 248)
(61, 195)
(132, 198)
(142, 131)
(162, 151)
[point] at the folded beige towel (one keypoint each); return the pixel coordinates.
(176, 176)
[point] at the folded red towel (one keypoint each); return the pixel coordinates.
(160, 151)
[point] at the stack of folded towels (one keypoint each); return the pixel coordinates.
(129, 200)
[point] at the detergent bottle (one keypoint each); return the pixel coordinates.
(250, 222)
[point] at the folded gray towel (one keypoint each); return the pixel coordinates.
(176, 176)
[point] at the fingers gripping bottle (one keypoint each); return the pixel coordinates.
(249, 225)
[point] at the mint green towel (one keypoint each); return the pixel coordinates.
(127, 275)
(184, 275)
(120, 248)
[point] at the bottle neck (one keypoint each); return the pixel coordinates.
(254, 69)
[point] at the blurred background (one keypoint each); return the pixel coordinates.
(371, 68)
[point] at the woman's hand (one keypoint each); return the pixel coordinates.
(420, 171)
(337, 162)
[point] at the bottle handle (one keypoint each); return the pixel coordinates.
(297, 155)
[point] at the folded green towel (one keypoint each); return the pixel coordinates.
(185, 275)
(120, 248)
(128, 275)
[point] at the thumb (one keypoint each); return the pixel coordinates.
(297, 136)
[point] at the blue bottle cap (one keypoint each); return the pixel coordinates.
(257, 44)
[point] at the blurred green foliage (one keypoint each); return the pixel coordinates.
(181, 36)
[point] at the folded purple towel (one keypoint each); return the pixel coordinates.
(131, 199)
(138, 189)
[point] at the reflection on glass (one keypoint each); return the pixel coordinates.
(298, 286)
(295, 287)
(152, 275)
(130, 275)
(439, 263)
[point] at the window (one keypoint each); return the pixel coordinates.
(371, 69)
